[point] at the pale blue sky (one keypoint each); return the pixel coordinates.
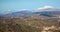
(15, 5)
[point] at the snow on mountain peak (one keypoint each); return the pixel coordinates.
(45, 7)
(23, 9)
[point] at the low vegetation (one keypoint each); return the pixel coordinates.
(29, 24)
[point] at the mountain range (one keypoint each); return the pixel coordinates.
(44, 11)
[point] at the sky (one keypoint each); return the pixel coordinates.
(15, 5)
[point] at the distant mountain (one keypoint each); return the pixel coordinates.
(19, 14)
(46, 11)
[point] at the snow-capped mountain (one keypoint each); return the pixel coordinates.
(48, 10)
(19, 14)
(45, 11)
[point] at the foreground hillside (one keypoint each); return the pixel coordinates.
(34, 23)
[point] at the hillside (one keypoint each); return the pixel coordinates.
(34, 23)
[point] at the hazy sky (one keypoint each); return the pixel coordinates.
(26, 4)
